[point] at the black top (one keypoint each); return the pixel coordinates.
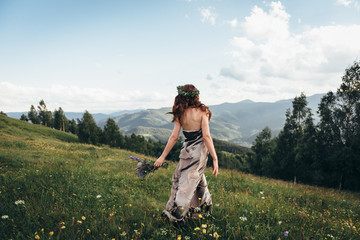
(192, 136)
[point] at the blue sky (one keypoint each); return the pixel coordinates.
(106, 56)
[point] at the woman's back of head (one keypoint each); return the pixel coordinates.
(188, 97)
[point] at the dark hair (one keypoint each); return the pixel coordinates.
(181, 103)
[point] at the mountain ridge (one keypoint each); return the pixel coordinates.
(237, 122)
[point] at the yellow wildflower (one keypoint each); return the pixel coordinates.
(37, 236)
(51, 233)
(200, 216)
(88, 231)
(83, 218)
(42, 230)
(216, 235)
(79, 221)
(204, 231)
(204, 226)
(179, 237)
(63, 227)
(197, 229)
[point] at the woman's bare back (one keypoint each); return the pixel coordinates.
(191, 119)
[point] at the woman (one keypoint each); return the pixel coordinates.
(189, 189)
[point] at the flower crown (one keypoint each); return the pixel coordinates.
(187, 94)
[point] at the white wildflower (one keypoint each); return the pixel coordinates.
(163, 231)
(261, 192)
(98, 196)
(4, 216)
(243, 218)
(19, 202)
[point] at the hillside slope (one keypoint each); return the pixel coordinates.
(52, 187)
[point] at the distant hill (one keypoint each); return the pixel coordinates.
(74, 115)
(234, 122)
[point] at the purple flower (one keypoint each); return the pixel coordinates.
(286, 234)
(144, 167)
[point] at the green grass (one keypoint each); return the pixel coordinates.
(61, 181)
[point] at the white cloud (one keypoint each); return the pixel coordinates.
(349, 3)
(233, 23)
(75, 98)
(208, 15)
(269, 55)
(262, 25)
(344, 2)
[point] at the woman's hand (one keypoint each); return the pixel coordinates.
(159, 162)
(215, 168)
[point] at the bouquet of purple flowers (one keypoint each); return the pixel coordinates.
(145, 167)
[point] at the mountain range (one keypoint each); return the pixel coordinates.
(234, 122)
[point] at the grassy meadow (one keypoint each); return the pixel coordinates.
(52, 187)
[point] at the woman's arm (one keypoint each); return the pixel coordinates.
(209, 143)
(170, 144)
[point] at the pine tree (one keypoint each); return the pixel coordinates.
(262, 148)
(299, 113)
(307, 151)
(88, 131)
(112, 134)
(60, 121)
(45, 115)
(33, 115)
(24, 118)
(339, 130)
(284, 152)
(73, 127)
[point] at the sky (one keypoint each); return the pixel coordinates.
(106, 56)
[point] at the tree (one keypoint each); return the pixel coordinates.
(73, 127)
(348, 100)
(262, 148)
(3, 113)
(60, 121)
(33, 115)
(45, 115)
(284, 152)
(339, 129)
(307, 152)
(329, 140)
(112, 134)
(24, 118)
(299, 113)
(88, 131)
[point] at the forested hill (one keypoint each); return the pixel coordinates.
(234, 122)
